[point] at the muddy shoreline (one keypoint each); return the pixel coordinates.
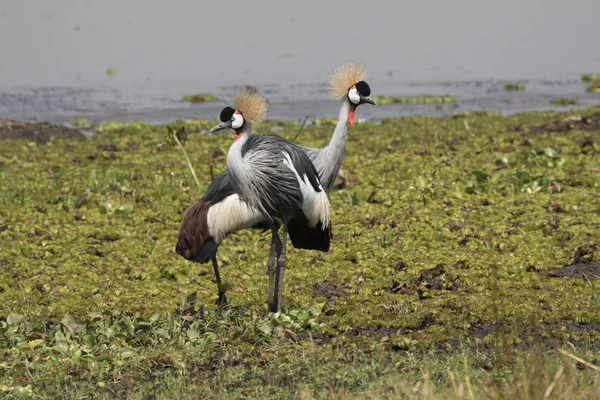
(42, 131)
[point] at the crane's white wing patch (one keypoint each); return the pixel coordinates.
(315, 205)
(231, 215)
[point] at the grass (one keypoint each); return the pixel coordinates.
(200, 98)
(436, 286)
(382, 100)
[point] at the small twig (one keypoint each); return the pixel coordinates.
(300, 130)
(554, 381)
(581, 360)
(187, 159)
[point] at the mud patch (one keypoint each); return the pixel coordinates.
(40, 132)
(587, 270)
(371, 331)
(330, 289)
(481, 331)
(585, 123)
(436, 278)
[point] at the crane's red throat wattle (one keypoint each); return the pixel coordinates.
(351, 114)
(237, 136)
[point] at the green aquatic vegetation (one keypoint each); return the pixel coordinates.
(80, 123)
(590, 77)
(514, 86)
(444, 234)
(111, 71)
(200, 98)
(382, 100)
(594, 87)
(564, 101)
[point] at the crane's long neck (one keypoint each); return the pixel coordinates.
(235, 162)
(330, 158)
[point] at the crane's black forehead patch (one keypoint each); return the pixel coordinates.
(363, 88)
(226, 114)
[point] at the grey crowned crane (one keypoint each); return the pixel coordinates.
(208, 221)
(277, 178)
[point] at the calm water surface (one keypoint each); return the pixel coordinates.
(54, 55)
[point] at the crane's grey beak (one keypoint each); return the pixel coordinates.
(221, 126)
(367, 100)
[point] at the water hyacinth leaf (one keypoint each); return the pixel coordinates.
(14, 319)
(105, 207)
(162, 332)
(190, 299)
(127, 354)
(302, 315)
(124, 209)
(72, 326)
(501, 162)
(192, 334)
(550, 152)
(143, 326)
(266, 328)
(35, 343)
(62, 346)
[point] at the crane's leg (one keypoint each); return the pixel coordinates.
(271, 268)
(281, 261)
(273, 256)
(222, 300)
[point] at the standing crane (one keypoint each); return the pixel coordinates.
(220, 212)
(277, 178)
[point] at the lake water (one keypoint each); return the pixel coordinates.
(55, 55)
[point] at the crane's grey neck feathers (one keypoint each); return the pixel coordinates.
(328, 160)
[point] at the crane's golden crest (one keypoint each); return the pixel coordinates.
(252, 105)
(344, 77)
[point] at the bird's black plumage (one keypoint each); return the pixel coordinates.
(305, 237)
(226, 114)
(362, 87)
(219, 189)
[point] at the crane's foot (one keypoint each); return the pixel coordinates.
(222, 300)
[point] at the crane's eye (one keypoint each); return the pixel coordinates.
(233, 118)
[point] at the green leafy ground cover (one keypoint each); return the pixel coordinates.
(437, 284)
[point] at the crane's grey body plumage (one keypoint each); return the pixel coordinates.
(258, 172)
(277, 178)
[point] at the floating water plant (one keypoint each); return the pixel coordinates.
(594, 87)
(514, 86)
(200, 98)
(111, 71)
(590, 77)
(563, 101)
(413, 99)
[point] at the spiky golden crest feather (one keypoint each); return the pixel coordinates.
(252, 105)
(344, 77)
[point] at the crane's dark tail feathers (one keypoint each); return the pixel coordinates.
(194, 242)
(206, 252)
(305, 237)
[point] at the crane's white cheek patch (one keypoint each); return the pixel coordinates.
(237, 122)
(353, 96)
